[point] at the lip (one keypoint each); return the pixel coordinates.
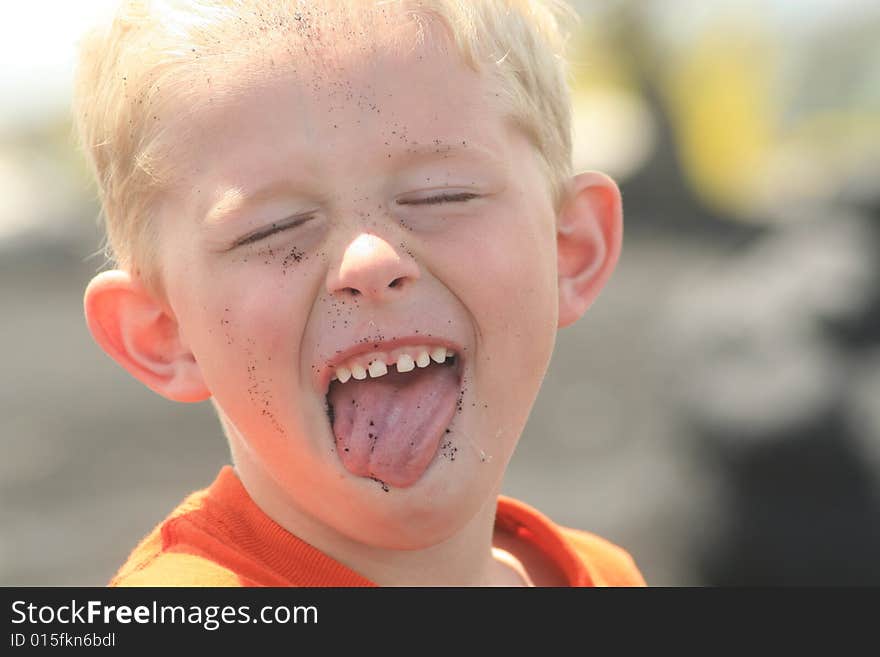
(324, 371)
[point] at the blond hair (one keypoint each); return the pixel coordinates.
(134, 69)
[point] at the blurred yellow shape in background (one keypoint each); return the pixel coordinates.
(722, 109)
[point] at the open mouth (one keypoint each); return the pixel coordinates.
(389, 412)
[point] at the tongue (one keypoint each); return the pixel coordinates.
(390, 428)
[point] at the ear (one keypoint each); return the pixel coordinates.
(589, 231)
(142, 335)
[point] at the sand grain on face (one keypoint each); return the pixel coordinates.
(259, 389)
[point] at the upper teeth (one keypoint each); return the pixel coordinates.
(376, 364)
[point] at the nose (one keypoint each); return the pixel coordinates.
(371, 267)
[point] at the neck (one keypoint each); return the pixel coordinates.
(466, 558)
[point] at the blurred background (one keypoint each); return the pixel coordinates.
(717, 412)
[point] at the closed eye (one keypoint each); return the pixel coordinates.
(442, 198)
(275, 227)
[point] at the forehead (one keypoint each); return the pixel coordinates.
(346, 103)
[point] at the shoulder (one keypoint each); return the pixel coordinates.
(177, 569)
(609, 564)
(165, 557)
(157, 562)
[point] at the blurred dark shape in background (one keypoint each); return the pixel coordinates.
(776, 359)
(771, 354)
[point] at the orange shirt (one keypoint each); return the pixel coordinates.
(219, 537)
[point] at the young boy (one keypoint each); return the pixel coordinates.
(352, 226)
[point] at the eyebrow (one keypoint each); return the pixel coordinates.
(442, 150)
(238, 198)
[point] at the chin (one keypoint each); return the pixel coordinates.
(437, 507)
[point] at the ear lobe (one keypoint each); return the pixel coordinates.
(589, 232)
(142, 336)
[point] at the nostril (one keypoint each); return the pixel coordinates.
(397, 282)
(353, 291)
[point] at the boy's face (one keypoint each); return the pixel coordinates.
(408, 214)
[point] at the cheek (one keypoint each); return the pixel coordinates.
(250, 325)
(514, 276)
(241, 316)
